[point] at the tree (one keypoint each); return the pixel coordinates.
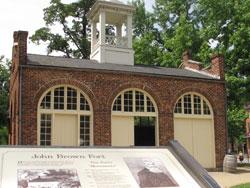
(4, 90)
(236, 117)
(73, 42)
(227, 23)
(177, 22)
(146, 39)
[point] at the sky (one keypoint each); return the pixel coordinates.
(26, 15)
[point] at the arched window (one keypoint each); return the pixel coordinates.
(192, 104)
(133, 101)
(59, 108)
(134, 119)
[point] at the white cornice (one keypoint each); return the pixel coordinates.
(128, 9)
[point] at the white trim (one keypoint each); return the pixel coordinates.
(202, 107)
(65, 100)
(182, 104)
(122, 102)
(190, 116)
(192, 103)
(203, 72)
(134, 114)
(52, 100)
(78, 128)
(133, 101)
(47, 111)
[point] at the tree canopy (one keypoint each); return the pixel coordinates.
(73, 42)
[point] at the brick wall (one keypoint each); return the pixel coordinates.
(103, 87)
(19, 55)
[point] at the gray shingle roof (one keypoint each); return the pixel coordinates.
(53, 61)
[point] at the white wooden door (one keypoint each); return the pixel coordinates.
(64, 131)
(182, 133)
(122, 131)
(197, 136)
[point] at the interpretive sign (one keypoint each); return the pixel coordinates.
(91, 168)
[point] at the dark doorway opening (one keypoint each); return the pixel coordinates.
(144, 131)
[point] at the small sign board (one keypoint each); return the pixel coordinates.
(92, 168)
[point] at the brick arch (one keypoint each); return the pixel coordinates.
(84, 88)
(195, 90)
(134, 85)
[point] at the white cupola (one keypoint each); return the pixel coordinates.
(113, 48)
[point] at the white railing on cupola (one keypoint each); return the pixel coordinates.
(113, 41)
(116, 41)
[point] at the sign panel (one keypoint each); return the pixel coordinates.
(91, 168)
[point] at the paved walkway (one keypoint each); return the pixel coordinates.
(227, 180)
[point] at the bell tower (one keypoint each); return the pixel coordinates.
(115, 47)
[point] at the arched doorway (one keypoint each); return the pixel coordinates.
(194, 127)
(64, 117)
(134, 119)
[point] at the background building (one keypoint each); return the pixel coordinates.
(108, 100)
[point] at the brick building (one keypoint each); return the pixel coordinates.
(108, 100)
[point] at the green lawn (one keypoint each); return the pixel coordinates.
(243, 164)
(246, 185)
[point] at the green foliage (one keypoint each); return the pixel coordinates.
(146, 37)
(4, 87)
(236, 128)
(3, 135)
(73, 42)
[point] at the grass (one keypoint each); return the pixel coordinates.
(243, 164)
(245, 185)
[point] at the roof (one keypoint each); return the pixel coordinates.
(54, 61)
